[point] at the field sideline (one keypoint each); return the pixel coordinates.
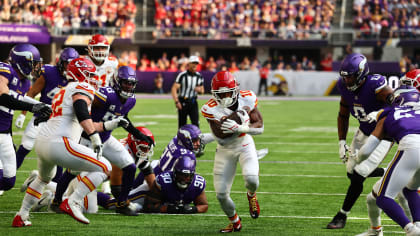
(302, 182)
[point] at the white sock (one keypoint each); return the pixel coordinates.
(374, 211)
(344, 212)
(32, 196)
(87, 185)
(410, 226)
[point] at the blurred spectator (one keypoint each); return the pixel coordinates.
(158, 84)
(263, 78)
(377, 51)
(326, 63)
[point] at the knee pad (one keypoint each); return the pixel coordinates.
(251, 182)
(8, 183)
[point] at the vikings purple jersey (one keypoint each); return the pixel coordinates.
(54, 81)
(363, 101)
(112, 107)
(17, 89)
(400, 121)
(171, 153)
(170, 192)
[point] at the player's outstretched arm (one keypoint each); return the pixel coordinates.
(136, 133)
(201, 203)
(10, 102)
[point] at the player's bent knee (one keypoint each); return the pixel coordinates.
(8, 183)
(251, 182)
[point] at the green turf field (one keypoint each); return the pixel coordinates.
(302, 182)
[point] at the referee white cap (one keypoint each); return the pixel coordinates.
(193, 59)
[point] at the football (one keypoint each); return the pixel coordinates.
(234, 116)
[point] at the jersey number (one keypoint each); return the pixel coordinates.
(56, 104)
(245, 93)
(360, 114)
(199, 182)
(102, 79)
(398, 114)
(167, 179)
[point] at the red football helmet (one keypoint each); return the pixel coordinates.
(98, 48)
(411, 78)
(224, 88)
(82, 70)
(142, 149)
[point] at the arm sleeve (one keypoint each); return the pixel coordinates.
(81, 110)
(12, 103)
(370, 145)
(132, 130)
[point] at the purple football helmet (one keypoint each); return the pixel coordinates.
(406, 95)
(184, 170)
(124, 83)
(26, 59)
(188, 135)
(66, 56)
(354, 69)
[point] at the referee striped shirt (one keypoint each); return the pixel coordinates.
(188, 82)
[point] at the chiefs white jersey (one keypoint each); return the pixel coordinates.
(213, 111)
(106, 70)
(63, 121)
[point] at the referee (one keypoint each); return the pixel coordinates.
(188, 83)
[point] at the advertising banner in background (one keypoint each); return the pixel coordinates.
(17, 33)
(294, 83)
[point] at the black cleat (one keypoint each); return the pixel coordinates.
(127, 208)
(55, 207)
(338, 222)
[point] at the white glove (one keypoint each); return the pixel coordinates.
(230, 127)
(115, 123)
(244, 117)
(350, 164)
(343, 149)
(371, 117)
(96, 144)
(20, 120)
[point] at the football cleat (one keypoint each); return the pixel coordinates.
(254, 207)
(232, 227)
(55, 207)
(127, 208)
(21, 221)
(74, 209)
(44, 201)
(1, 192)
(28, 180)
(372, 232)
(412, 230)
(338, 222)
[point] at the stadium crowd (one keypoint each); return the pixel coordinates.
(386, 19)
(284, 19)
(211, 63)
(115, 17)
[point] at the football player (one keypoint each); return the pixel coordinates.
(187, 139)
(235, 143)
(173, 191)
(361, 94)
(106, 66)
(401, 123)
(411, 78)
(57, 143)
(113, 103)
(51, 80)
(106, 70)
(15, 80)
